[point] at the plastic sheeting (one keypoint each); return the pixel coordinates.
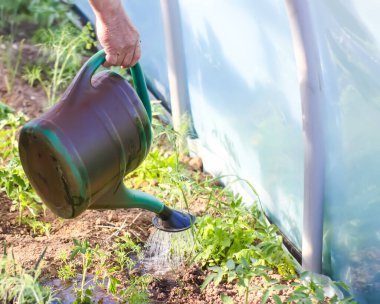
(349, 42)
(244, 97)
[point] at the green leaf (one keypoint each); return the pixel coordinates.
(218, 277)
(230, 264)
(280, 287)
(265, 296)
(320, 294)
(89, 292)
(231, 276)
(112, 285)
(226, 299)
(276, 299)
(208, 280)
(343, 285)
(19, 181)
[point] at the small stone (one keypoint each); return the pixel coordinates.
(98, 221)
(110, 216)
(196, 164)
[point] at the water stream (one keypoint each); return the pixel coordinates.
(165, 251)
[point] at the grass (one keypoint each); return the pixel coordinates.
(20, 285)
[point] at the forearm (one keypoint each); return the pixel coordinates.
(106, 9)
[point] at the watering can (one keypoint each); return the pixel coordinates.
(77, 154)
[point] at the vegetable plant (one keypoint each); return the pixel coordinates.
(12, 177)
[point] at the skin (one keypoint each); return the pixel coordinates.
(116, 33)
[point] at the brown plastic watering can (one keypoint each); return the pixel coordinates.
(78, 152)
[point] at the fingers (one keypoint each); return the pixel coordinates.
(131, 58)
(113, 60)
(125, 59)
(136, 55)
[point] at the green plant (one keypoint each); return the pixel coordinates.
(163, 174)
(19, 285)
(67, 271)
(103, 268)
(42, 12)
(124, 247)
(62, 56)
(243, 273)
(137, 291)
(38, 227)
(315, 288)
(12, 13)
(12, 177)
(47, 13)
(236, 232)
(9, 64)
(87, 253)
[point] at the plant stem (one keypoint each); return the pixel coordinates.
(84, 261)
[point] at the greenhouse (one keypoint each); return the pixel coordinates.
(235, 162)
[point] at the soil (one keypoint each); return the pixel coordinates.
(30, 100)
(99, 226)
(185, 289)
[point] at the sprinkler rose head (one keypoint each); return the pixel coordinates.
(171, 220)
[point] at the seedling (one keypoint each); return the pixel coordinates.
(84, 250)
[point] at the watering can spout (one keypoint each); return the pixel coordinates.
(166, 219)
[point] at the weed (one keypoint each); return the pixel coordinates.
(62, 58)
(19, 285)
(9, 64)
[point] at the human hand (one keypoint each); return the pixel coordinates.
(117, 35)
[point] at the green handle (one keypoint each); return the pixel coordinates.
(139, 84)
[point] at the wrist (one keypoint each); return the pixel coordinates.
(106, 11)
